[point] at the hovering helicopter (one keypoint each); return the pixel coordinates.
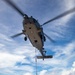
(34, 31)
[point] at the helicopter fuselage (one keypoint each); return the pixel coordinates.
(34, 32)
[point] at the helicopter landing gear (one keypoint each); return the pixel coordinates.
(25, 38)
(43, 37)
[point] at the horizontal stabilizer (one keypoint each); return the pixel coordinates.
(45, 57)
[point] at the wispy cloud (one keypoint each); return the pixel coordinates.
(1, 45)
(4, 37)
(27, 73)
(8, 61)
(59, 71)
(68, 5)
(70, 71)
(59, 29)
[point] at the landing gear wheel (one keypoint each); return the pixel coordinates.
(25, 38)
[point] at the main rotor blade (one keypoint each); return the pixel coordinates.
(16, 35)
(49, 38)
(13, 5)
(60, 16)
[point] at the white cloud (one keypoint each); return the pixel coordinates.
(70, 71)
(1, 5)
(4, 28)
(1, 45)
(9, 60)
(4, 37)
(43, 72)
(68, 5)
(20, 54)
(28, 74)
(26, 68)
(59, 71)
(73, 64)
(59, 28)
(66, 49)
(28, 51)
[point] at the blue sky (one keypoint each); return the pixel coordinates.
(17, 57)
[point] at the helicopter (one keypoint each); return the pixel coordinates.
(34, 31)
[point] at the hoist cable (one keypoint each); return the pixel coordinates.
(35, 62)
